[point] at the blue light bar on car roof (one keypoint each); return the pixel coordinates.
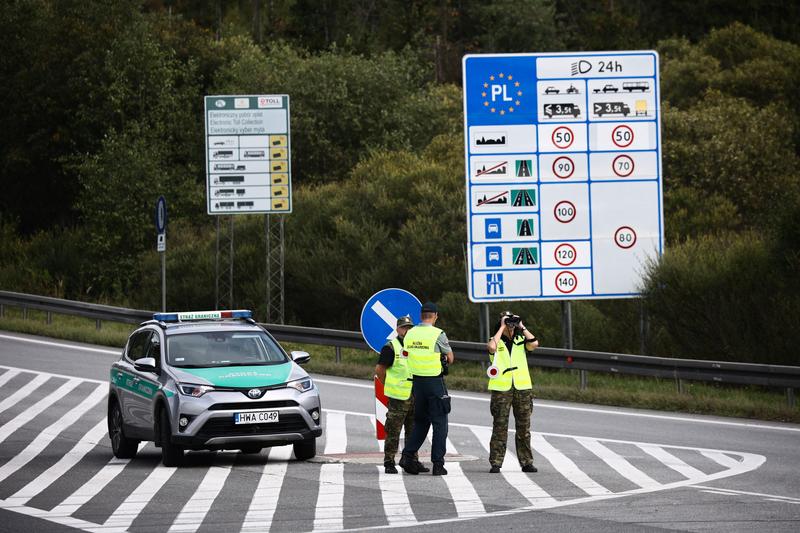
(202, 315)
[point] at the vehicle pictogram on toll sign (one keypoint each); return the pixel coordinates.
(565, 254)
(623, 165)
(494, 256)
(622, 136)
(561, 110)
(564, 211)
(566, 282)
(611, 108)
(562, 137)
(625, 237)
(563, 167)
(493, 228)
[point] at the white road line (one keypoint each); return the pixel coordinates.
(61, 345)
(671, 461)
(24, 392)
(70, 459)
(789, 499)
(28, 414)
(329, 514)
(725, 460)
(281, 453)
(265, 498)
(335, 433)
(91, 488)
(124, 515)
(566, 467)
(8, 375)
(529, 489)
(47, 436)
(196, 509)
(396, 506)
(464, 495)
(618, 463)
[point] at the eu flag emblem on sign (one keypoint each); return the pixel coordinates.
(501, 91)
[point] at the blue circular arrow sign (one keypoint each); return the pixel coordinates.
(161, 214)
(380, 313)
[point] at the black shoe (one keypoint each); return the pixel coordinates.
(422, 468)
(529, 468)
(494, 469)
(389, 468)
(438, 470)
(408, 465)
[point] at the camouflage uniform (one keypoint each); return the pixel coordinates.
(401, 413)
(522, 403)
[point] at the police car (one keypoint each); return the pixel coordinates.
(210, 380)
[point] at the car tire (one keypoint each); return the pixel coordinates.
(171, 455)
(121, 446)
(250, 449)
(305, 449)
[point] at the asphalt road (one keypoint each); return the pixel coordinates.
(600, 468)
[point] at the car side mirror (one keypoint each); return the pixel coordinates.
(145, 364)
(300, 358)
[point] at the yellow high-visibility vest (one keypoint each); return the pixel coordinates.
(420, 344)
(513, 369)
(397, 385)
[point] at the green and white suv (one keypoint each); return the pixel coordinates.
(210, 380)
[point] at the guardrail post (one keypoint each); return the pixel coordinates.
(790, 398)
(2, 310)
(338, 351)
(49, 316)
(99, 323)
(584, 375)
(681, 389)
(24, 313)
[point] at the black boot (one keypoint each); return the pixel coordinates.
(389, 467)
(409, 465)
(529, 468)
(421, 467)
(438, 469)
(494, 469)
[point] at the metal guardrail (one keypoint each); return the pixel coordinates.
(781, 376)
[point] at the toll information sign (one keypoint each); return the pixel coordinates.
(248, 154)
(563, 174)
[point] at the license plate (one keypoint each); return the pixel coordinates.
(255, 417)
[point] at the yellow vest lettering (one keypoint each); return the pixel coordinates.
(397, 385)
(420, 344)
(513, 368)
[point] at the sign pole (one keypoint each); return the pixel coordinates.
(163, 282)
(161, 246)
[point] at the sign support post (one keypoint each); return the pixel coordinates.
(161, 246)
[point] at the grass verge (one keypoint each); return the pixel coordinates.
(623, 391)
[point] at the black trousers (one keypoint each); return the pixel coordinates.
(429, 409)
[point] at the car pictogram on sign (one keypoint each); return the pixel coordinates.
(560, 110)
(551, 90)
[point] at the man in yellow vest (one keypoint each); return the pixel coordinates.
(428, 349)
(392, 370)
(510, 383)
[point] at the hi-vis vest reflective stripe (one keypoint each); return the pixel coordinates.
(398, 384)
(420, 343)
(518, 361)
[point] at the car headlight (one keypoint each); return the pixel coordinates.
(194, 390)
(301, 385)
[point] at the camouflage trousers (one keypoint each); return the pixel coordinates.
(401, 413)
(522, 403)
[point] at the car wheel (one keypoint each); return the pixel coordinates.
(121, 446)
(305, 449)
(250, 449)
(171, 455)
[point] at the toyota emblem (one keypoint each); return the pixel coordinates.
(254, 393)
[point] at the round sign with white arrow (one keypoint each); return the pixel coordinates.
(380, 313)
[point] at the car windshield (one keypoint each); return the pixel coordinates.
(223, 348)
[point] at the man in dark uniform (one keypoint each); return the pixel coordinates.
(428, 348)
(392, 371)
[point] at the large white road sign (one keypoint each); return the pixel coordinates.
(563, 174)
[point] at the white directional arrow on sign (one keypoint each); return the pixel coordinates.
(387, 317)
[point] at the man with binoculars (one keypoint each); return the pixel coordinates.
(510, 383)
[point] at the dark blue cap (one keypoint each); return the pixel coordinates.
(429, 307)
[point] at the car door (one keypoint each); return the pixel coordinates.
(127, 379)
(143, 387)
